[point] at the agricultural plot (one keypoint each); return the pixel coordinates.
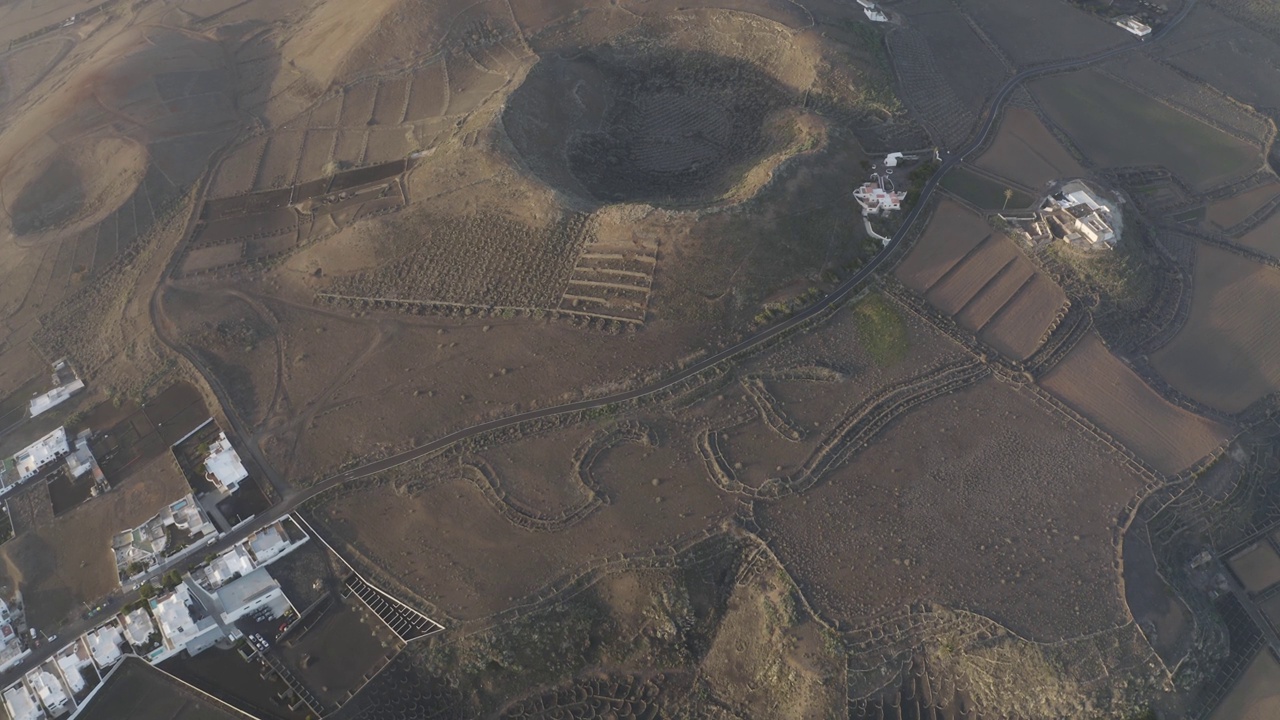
(983, 192)
(428, 93)
(349, 147)
(1115, 126)
(136, 689)
(389, 143)
(1264, 238)
(952, 233)
(1257, 567)
(239, 169)
(1027, 153)
(1226, 214)
(934, 102)
(612, 278)
(1095, 383)
(487, 260)
(1256, 694)
(1145, 74)
(1234, 58)
(966, 270)
(317, 152)
(967, 64)
(1042, 31)
(389, 106)
(884, 530)
(357, 104)
(280, 161)
(1227, 355)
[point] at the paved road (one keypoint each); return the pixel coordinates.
(293, 498)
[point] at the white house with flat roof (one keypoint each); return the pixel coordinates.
(49, 691)
(230, 565)
(40, 453)
(104, 643)
(1134, 25)
(54, 397)
(251, 593)
(223, 467)
(138, 628)
(21, 703)
(184, 623)
(72, 661)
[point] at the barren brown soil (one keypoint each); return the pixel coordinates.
(1226, 213)
(1226, 355)
(985, 474)
(1026, 152)
(1264, 237)
(1097, 384)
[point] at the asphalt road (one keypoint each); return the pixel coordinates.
(293, 498)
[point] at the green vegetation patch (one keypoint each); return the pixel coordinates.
(983, 192)
(881, 330)
(1116, 126)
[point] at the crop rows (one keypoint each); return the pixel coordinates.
(936, 105)
(483, 260)
(853, 432)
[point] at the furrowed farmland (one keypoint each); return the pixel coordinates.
(1227, 355)
(966, 269)
(1115, 126)
(1097, 384)
(1026, 152)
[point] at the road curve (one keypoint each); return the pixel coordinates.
(293, 499)
(842, 291)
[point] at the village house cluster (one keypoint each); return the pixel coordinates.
(231, 596)
(1075, 214)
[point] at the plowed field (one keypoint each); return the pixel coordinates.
(1099, 386)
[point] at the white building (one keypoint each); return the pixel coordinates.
(104, 644)
(184, 623)
(228, 566)
(1082, 216)
(49, 691)
(55, 397)
(875, 199)
(82, 460)
(21, 703)
(1134, 25)
(268, 543)
(138, 628)
(249, 594)
(223, 467)
(40, 453)
(72, 661)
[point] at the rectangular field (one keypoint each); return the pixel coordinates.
(428, 93)
(1116, 126)
(1224, 214)
(1256, 694)
(1002, 288)
(239, 169)
(1039, 31)
(316, 152)
(952, 232)
(1227, 355)
(1265, 237)
(1026, 152)
(983, 192)
(280, 162)
(955, 289)
(357, 104)
(350, 146)
(1096, 384)
(388, 108)
(1257, 566)
(1017, 328)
